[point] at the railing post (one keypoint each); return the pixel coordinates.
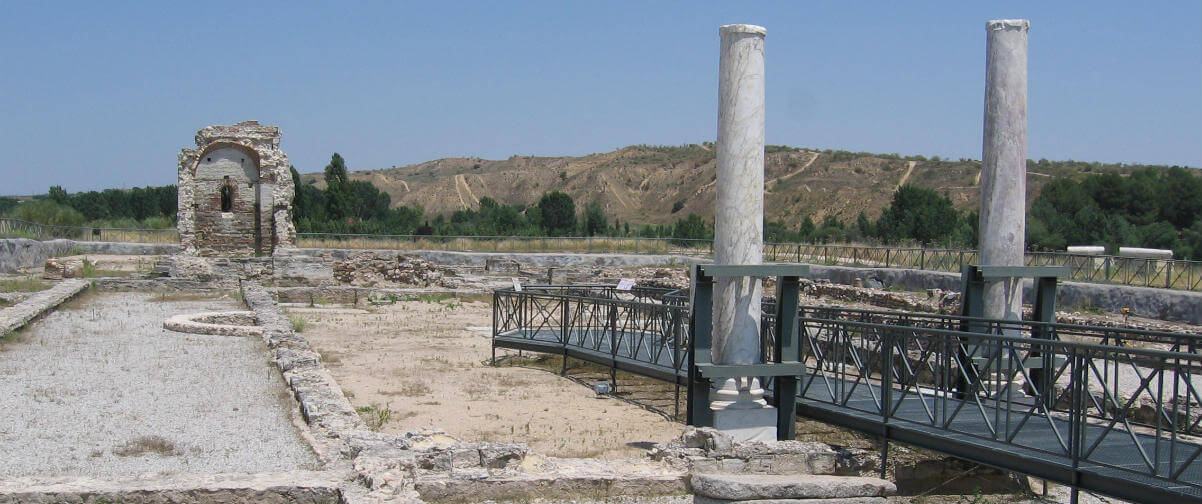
(786, 348)
(698, 411)
(613, 346)
(494, 328)
(887, 257)
(564, 332)
(886, 394)
(1168, 274)
(922, 258)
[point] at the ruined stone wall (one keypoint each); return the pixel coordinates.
(246, 158)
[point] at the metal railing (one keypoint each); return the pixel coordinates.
(17, 228)
(1121, 412)
(1122, 403)
(1165, 273)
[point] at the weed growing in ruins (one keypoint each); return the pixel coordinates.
(438, 297)
(298, 323)
(415, 389)
(375, 416)
(89, 268)
(146, 444)
(475, 391)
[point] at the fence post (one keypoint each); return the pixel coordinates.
(922, 258)
(887, 257)
(1168, 274)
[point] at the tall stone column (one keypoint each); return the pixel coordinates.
(739, 406)
(1004, 163)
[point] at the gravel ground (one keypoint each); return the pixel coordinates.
(98, 388)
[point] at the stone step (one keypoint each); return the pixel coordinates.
(788, 488)
(697, 499)
(553, 478)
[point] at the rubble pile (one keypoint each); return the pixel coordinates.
(371, 269)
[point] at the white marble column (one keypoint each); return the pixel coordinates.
(738, 405)
(1004, 163)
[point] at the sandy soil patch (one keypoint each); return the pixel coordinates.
(425, 364)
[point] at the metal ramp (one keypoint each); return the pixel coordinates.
(1116, 420)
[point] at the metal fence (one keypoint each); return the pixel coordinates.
(16, 228)
(1113, 410)
(1166, 273)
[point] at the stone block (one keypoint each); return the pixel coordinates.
(58, 268)
(501, 455)
(698, 499)
(743, 487)
(502, 265)
(757, 424)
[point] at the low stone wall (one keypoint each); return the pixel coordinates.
(228, 323)
(20, 253)
(1161, 304)
(16, 316)
(539, 259)
(300, 487)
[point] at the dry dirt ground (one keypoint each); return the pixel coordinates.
(426, 364)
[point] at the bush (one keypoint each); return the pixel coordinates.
(48, 213)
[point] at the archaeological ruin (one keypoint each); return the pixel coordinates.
(235, 192)
(242, 366)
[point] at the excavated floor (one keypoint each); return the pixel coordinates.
(98, 388)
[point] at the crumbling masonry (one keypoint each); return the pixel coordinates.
(235, 193)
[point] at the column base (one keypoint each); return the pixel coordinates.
(753, 424)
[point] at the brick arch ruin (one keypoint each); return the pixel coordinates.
(235, 193)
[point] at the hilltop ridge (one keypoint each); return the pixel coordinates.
(644, 184)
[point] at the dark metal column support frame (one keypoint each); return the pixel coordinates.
(784, 367)
(972, 304)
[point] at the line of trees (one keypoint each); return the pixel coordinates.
(1153, 207)
(1150, 208)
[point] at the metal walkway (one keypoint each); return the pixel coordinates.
(1080, 408)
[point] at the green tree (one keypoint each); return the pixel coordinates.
(594, 219)
(690, 228)
(339, 196)
(1180, 197)
(558, 213)
(917, 213)
(58, 195)
(806, 233)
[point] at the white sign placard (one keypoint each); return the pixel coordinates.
(625, 284)
(517, 286)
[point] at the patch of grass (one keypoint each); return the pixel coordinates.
(298, 323)
(413, 389)
(511, 381)
(27, 284)
(375, 416)
(434, 298)
(142, 445)
(476, 391)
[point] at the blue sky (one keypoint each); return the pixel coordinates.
(104, 94)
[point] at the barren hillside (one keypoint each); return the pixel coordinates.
(641, 184)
